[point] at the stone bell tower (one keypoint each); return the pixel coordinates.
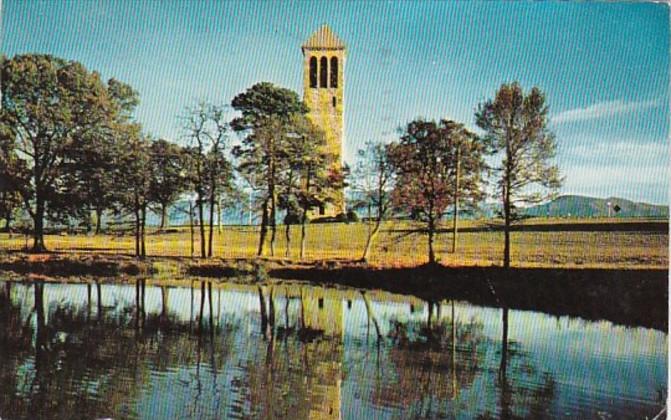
(323, 93)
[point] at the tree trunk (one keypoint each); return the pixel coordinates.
(506, 202)
(202, 306)
(273, 225)
(287, 233)
(371, 237)
(504, 343)
(506, 229)
(219, 216)
(137, 300)
(304, 219)
(38, 234)
(300, 291)
(164, 211)
(99, 221)
(262, 308)
(137, 231)
(99, 302)
(304, 216)
(164, 302)
(209, 300)
(8, 221)
(191, 229)
(455, 228)
(271, 195)
(144, 301)
(264, 227)
(371, 315)
(88, 301)
(40, 333)
(201, 223)
(211, 232)
(432, 228)
(143, 223)
(271, 310)
(429, 317)
(88, 221)
(454, 348)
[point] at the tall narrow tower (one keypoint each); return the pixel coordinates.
(323, 93)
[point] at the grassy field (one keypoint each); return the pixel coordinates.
(588, 243)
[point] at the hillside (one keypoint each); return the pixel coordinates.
(581, 206)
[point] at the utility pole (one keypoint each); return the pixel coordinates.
(219, 216)
(191, 210)
(251, 193)
(456, 201)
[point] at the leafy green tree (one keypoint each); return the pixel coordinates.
(48, 105)
(207, 132)
(11, 169)
(515, 125)
(265, 123)
(425, 165)
(94, 174)
(134, 183)
(288, 201)
(314, 179)
(372, 183)
(10, 201)
(168, 179)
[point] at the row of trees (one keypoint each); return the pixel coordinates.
(282, 158)
(70, 147)
(435, 166)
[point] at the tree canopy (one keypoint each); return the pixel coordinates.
(425, 162)
(266, 121)
(515, 125)
(49, 106)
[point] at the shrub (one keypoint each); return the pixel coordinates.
(292, 219)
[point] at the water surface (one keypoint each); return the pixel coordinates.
(78, 351)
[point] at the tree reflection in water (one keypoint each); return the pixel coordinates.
(519, 401)
(78, 368)
(431, 361)
(264, 351)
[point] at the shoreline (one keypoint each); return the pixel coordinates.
(630, 297)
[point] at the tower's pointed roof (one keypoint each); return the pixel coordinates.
(324, 39)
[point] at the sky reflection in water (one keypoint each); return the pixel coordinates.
(315, 354)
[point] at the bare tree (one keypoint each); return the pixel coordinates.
(372, 183)
(206, 131)
(515, 126)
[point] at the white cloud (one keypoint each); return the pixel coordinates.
(626, 152)
(628, 168)
(602, 110)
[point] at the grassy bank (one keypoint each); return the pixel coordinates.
(627, 297)
(538, 243)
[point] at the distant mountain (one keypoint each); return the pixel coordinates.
(581, 206)
(563, 206)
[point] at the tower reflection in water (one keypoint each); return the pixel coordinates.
(283, 350)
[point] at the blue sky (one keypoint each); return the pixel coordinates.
(603, 66)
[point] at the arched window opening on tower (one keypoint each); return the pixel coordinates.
(334, 72)
(323, 72)
(313, 72)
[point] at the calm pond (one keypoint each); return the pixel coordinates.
(78, 351)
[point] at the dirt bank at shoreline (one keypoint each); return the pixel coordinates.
(635, 297)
